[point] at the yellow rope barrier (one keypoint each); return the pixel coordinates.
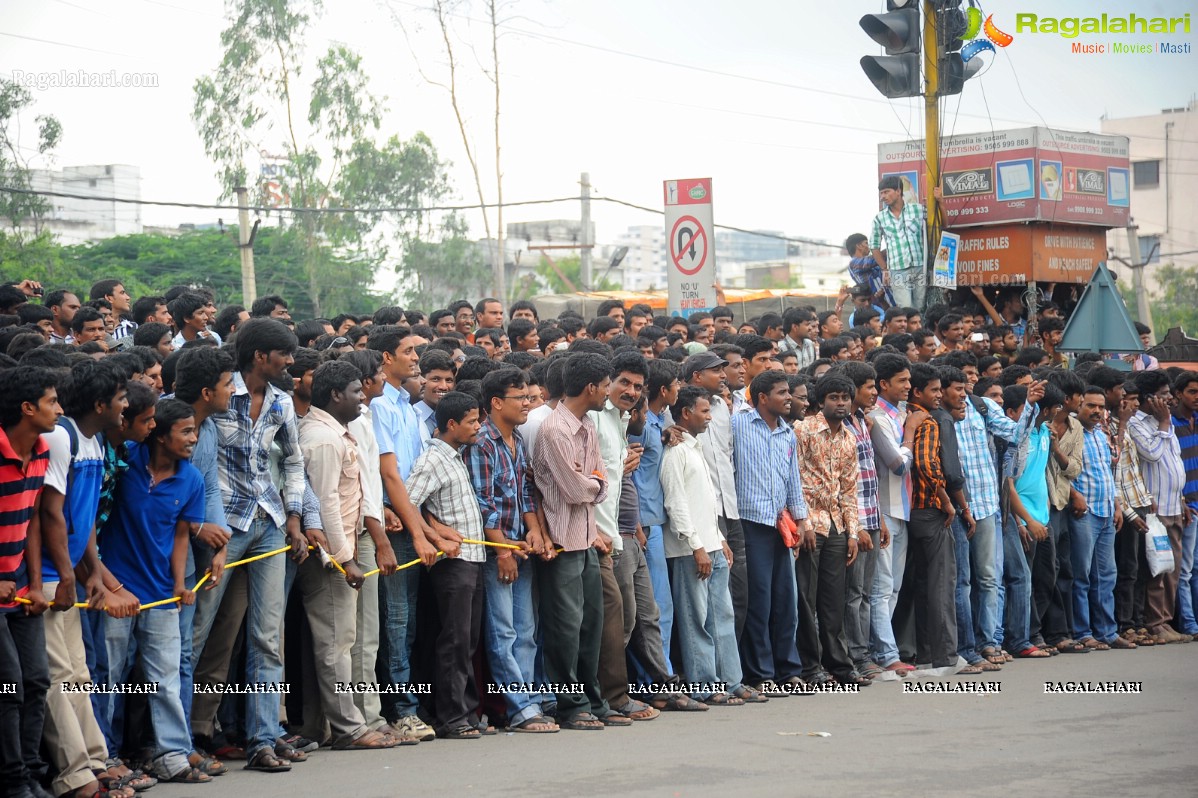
(284, 549)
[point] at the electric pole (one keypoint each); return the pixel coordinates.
(584, 271)
(931, 121)
(1137, 273)
(249, 287)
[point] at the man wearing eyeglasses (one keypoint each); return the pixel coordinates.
(499, 471)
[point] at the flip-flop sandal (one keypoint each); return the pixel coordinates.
(616, 719)
(583, 721)
(1031, 652)
(190, 775)
(369, 741)
(1094, 645)
(207, 764)
(750, 696)
(972, 669)
(872, 670)
(724, 700)
(525, 726)
(460, 733)
(290, 753)
(265, 761)
(677, 702)
(988, 666)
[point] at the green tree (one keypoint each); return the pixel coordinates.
(566, 278)
(1174, 305)
(24, 212)
(445, 267)
(332, 162)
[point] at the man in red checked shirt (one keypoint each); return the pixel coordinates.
(28, 407)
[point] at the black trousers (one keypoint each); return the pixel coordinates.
(821, 575)
(934, 563)
(1058, 623)
(738, 574)
(1048, 606)
(458, 587)
(1133, 575)
(24, 681)
(571, 608)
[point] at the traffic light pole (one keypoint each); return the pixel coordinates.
(931, 69)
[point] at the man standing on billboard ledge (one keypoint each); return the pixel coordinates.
(903, 226)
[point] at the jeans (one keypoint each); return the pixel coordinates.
(509, 635)
(264, 625)
(767, 647)
(659, 576)
(888, 577)
(399, 592)
(1092, 550)
(187, 615)
(23, 710)
(642, 620)
(1187, 585)
(1017, 578)
(966, 640)
(909, 286)
(158, 643)
(985, 578)
(706, 624)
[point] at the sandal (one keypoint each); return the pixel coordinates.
(109, 790)
(677, 702)
(988, 666)
(992, 655)
(1031, 652)
(1007, 656)
(190, 775)
(206, 763)
(616, 719)
(638, 710)
(230, 751)
(135, 780)
(387, 730)
(583, 721)
(461, 733)
(485, 728)
(265, 761)
(724, 700)
(367, 741)
(871, 670)
(1094, 645)
(972, 669)
(749, 695)
(290, 753)
(1070, 646)
(530, 726)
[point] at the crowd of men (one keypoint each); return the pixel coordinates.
(557, 524)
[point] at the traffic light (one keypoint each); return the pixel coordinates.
(895, 74)
(951, 28)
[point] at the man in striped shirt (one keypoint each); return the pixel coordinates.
(901, 225)
(28, 408)
(1151, 430)
(1185, 426)
(1096, 517)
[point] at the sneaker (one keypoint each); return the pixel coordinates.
(415, 727)
(299, 743)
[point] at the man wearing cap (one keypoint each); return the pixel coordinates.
(903, 227)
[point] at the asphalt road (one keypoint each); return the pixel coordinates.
(1016, 741)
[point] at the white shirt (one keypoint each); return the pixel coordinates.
(690, 505)
(532, 426)
(612, 425)
(717, 451)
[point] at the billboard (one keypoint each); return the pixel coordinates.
(1012, 254)
(1034, 174)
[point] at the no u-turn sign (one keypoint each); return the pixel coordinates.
(692, 275)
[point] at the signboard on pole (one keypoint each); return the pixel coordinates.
(1026, 175)
(1012, 254)
(944, 269)
(690, 246)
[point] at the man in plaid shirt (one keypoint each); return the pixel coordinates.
(903, 228)
(874, 535)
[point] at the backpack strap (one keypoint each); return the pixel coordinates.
(979, 404)
(73, 437)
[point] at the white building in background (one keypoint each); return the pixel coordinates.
(644, 266)
(77, 221)
(1164, 167)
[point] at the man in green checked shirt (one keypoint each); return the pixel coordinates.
(903, 227)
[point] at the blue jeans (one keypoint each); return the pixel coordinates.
(509, 634)
(984, 593)
(399, 592)
(1017, 577)
(264, 625)
(187, 615)
(1092, 552)
(883, 595)
(706, 623)
(659, 577)
(158, 643)
(966, 642)
(1187, 584)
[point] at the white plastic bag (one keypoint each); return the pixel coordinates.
(1157, 548)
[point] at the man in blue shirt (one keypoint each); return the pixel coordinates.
(768, 482)
(145, 545)
(397, 429)
(662, 391)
